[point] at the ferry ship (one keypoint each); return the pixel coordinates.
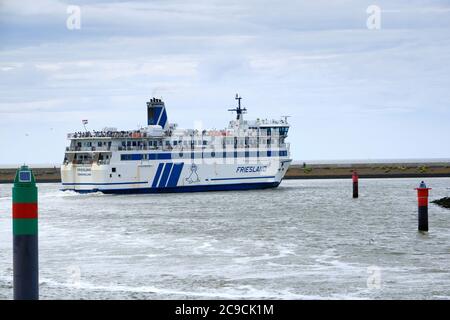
(161, 157)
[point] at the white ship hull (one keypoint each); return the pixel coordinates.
(164, 158)
(173, 176)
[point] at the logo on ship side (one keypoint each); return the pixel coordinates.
(248, 169)
(193, 175)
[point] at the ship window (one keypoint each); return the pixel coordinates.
(164, 156)
(125, 157)
(124, 143)
(283, 131)
(181, 154)
(213, 154)
(99, 144)
(113, 169)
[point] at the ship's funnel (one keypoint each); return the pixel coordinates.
(156, 113)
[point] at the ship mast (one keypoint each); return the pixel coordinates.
(239, 110)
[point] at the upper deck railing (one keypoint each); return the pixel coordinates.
(266, 122)
(107, 134)
(178, 147)
(138, 134)
(184, 135)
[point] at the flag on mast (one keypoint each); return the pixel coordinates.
(85, 122)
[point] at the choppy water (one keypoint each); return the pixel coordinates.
(305, 239)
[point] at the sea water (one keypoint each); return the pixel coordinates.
(307, 239)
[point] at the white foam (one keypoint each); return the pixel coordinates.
(238, 292)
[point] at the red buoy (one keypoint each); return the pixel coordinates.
(355, 184)
(422, 199)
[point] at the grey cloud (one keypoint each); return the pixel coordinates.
(314, 60)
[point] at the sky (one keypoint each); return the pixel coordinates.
(352, 92)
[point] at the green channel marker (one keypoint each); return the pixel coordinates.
(25, 235)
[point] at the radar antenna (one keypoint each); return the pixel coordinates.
(285, 118)
(239, 110)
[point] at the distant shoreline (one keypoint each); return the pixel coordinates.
(299, 171)
(370, 170)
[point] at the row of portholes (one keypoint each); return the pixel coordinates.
(213, 154)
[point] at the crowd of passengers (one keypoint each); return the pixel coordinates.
(107, 134)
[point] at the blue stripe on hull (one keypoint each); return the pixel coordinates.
(203, 188)
(101, 184)
(242, 178)
(158, 173)
(175, 175)
(165, 175)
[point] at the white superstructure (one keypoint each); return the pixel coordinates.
(163, 158)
